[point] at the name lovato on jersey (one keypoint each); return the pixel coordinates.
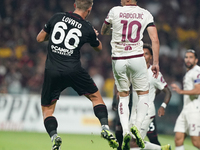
(72, 22)
(131, 15)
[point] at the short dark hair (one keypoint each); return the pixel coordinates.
(148, 46)
(192, 51)
(83, 4)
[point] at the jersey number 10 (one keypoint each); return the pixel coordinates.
(130, 28)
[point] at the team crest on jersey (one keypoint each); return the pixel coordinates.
(128, 48)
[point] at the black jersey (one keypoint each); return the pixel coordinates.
(67, 34)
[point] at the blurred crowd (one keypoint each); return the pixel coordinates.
(22, 59)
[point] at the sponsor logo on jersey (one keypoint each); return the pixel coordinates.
(61, 51)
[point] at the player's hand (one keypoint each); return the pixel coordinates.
(176, 88)
(96, 32)
(161, 111)
(155, 70)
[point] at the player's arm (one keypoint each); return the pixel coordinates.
(98, 48)
(161, 110)
(42, 36)
(106, 29)
(194, 91)
(152, 31)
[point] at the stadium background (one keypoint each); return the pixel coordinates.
(22, 58)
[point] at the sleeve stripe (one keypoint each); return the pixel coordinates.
(106, 22)
(197, 81)
(151, 24)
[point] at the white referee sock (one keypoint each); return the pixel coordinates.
(123, 111)
(180, 147)
(142, 108)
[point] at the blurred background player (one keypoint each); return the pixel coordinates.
(67, 33)
(188, 121)
(156, 84)
(128, 23)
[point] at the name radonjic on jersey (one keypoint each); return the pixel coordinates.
(62, 51)
(131, 15)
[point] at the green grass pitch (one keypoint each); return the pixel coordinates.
(41, 141)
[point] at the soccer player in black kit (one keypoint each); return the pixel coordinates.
(66, 33)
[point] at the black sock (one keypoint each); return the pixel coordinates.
(51, 125)
(101, 113)
(119, 136)
(153, 139)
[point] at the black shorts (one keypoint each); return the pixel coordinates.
(55, 82)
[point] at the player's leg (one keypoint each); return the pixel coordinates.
(100, 111)
(124, 113)
(118, 132)
(123, 110)
(179, 140)
(51, 125)
(83, 84)
(118, 127)
(116, 121)
(152, 132)
(136, 130)
(144, 128)
(122, 83)
(50, 95)
(180, 129)
(195, 141)
(139, 80)
(194, 125)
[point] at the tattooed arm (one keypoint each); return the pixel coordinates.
(106, 29)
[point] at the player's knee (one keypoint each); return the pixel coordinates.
(95, 97)
(46, 115)
(196, 144)
(46, 112)
(124, 93)
(178, 141)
